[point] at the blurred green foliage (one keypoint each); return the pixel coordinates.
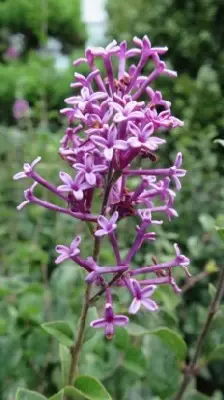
(62, 19)
(146, 360)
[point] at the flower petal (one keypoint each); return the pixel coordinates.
(148, 291)
(90, 178)
(100, 232)
(60, 248)
(19, 175)
(61, 258)
(121, 145)
(66, 178)
(120, 320)
(135, 306)
(109, 330)
(78, 194)
(109, 153)
(149, 304)
(75, 243)
(134, 142)
(102, 221)
(98, 323)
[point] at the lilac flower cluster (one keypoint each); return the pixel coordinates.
(115, 121)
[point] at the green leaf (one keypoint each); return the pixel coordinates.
(217, 353)
(220, 231)
(121, 339)
(60, 330)
(24, 394)
(74, 394)
(58, 396)
(211, 290)
(173, 341)
(163, 373)
(134, 361)
(65, 358)
(136, 330)
(91, 388)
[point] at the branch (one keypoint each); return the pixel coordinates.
(213, 308)
(76, 348)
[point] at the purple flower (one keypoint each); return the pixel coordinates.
(27, 169)
(76, 186)
(86, 98)
(110, 143)
(141, 298)
(177, 172)
(109, 321)
(142, 138)
(88, 170)
(181, 259)
(127, 112)
(20, 109)
(68, 252)
(107, 226)
(12, 53)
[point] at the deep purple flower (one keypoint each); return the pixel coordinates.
(68, 252)
(109, 321)
(141, 298)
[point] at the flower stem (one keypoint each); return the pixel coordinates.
(76, 348)
(214, 306)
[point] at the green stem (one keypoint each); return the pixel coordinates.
(76, 348)
(214, 306)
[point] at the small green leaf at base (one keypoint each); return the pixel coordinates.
(24, 394)
(58, 396)
(60, 330)
(91, 388)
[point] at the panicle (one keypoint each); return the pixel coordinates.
(114, 118)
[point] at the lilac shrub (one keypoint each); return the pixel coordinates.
(115, 120)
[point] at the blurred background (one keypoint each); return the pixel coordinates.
(39, 41)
